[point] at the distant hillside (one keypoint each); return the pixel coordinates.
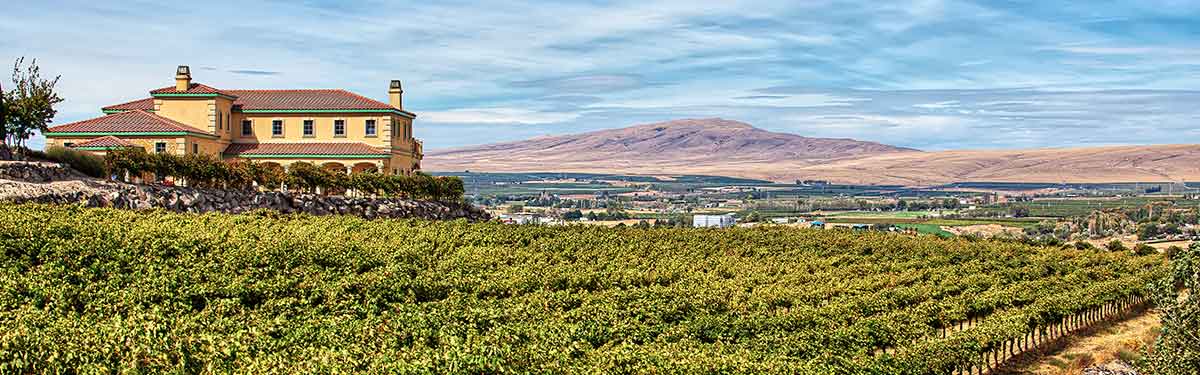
(680, 143)
(730, 148)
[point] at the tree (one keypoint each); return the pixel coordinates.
(1019, 211)
(1148, 231)
(4, 154)
(29, 106)
(572, 215)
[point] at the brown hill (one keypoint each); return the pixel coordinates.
(665, 144)
(731, 148)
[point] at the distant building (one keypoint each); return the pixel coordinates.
(520, 219)
(712, 221)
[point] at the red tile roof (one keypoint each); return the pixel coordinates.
(304, 99)
(146, 104)
(316, 99)
(252, 149)
(195, 88)
(106, 141)
(127, 122)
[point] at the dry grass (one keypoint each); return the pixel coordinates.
(1122, 340)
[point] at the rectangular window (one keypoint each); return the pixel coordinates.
(218, 120)
(195, 148)
(247, 127)
(370, 128)
(68, 144)
(276, 128)
(308, 128)
(339, 128)
(160, 147)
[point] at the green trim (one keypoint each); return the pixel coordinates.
(309, 156)
(113, 111)
(395, 111)
(128, 134)
(192, 95)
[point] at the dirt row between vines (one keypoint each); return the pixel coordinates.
(1102, 344)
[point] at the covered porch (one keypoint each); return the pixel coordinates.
(349, 158)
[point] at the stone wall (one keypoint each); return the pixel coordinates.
(50, 183)
(35, 171)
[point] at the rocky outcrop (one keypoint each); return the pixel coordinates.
(1116, 367)
(32, 186)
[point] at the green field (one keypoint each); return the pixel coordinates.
(1080, 206)
(930, 225)
(884, 214)
(927, 229)
(110, 291)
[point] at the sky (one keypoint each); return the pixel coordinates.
(928, 74)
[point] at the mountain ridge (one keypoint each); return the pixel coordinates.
(678, 139)
(736, 149)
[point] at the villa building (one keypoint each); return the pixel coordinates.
(335, 129)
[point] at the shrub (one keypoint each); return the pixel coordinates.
(1144, 249)
(1084, 245)
(83, 162)
(307, 176)
(1173, 251)
(1177, 349)
(128, 161)
(1116, 245)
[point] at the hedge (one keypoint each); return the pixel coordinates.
(210, 172)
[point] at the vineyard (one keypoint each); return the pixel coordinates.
(100, 290)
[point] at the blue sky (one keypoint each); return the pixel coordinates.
(928, 74)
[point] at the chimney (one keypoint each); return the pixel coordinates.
(183, 78)
(396, 95)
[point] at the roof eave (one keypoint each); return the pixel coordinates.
(307, 156)
(109, 111)
(403, 113)
(128, 134)
(192, 95)
(102, 148)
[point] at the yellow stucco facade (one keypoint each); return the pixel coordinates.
(270, 126)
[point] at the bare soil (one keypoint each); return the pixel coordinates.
(1106, 343)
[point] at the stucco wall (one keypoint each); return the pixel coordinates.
(177, 146)
(293, 131)
(223, 106)
(194, 112)
(207, 146)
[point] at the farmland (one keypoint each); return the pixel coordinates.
(161, 292)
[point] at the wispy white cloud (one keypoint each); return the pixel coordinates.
(844, 68)
(496, 116)
(938, 105)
